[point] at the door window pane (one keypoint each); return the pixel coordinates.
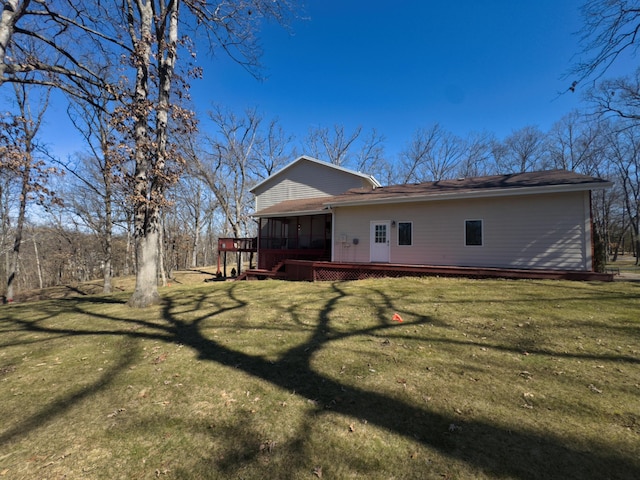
(381, 234)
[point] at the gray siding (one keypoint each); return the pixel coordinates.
(306, 180)
(550, 231)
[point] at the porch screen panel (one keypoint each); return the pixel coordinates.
(273, 233)
(318, 231)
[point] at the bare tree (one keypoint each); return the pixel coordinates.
(524, 150)
(193, 209)
(275, 150)
(18, 154)
(153, 31)
(334, 145)
(228, 164)
(576, 143)
(44, 39)
(95, 184)
(619, 97)
(370, 158)
(432, 154)
(417, 154)
(610, 29)
(476, 157)
(60, 41)
(12, 11)
(624, 152)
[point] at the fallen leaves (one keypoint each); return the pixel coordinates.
(7, 370)
(227, 397)
(144, 393)
(528, 402)
(526, 375)
(116, 412)
(160, 358)
(594, 389)
(267, 446)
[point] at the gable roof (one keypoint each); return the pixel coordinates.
(547, 181)
(304, 158)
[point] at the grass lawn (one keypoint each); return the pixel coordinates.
(626, 264)
(282, 380)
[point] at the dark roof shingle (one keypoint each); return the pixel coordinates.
(463, 186)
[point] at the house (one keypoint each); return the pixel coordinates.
(299, 225)
(315, 211)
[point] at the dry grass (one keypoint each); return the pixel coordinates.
(626, 264)
(482, 379)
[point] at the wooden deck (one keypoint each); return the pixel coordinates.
(303, 270)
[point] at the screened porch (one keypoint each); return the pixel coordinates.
(303, 237)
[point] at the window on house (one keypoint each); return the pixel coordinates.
(405, 233)
(473, 232)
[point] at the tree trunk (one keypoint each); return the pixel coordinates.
(12, 272)
(107, 274)
(196, 240)
(161, 254)
(146, 215)
(12, 11)
(128, 254)
(38, 266)
(146, 291)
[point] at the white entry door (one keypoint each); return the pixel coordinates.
(380, 241)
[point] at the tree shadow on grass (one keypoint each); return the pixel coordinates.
(520, 454)
(67, 402)
(524, 455)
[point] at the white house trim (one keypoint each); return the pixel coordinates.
(370, 178)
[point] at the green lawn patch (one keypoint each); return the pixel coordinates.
(254, 380)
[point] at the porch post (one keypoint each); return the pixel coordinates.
(333, 234)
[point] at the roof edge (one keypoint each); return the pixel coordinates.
(370, 178)
(494, 192)
(292, 213)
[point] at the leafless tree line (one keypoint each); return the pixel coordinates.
(120, 58)
(88, 233)
(155, 185)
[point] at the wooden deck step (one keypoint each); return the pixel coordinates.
(260, 274)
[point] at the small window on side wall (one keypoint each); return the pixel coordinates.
(405, 233)
(473, 233)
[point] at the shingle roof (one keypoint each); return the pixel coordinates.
(488, 185)
(494, 185)
(306, 206)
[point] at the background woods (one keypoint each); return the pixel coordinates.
(155, 183)
(91, 235)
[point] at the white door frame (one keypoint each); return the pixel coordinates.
(380, 241)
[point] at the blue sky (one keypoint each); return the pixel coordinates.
(472, 66)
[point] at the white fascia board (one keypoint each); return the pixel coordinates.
(501, 192)
(370, 178)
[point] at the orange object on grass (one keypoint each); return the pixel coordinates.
(396, 318)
